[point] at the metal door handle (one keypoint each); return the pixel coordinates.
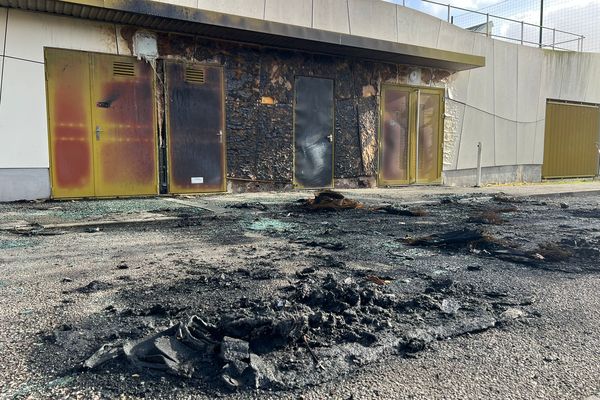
(220, 135)
(98, 130)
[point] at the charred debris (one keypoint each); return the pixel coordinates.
(330, 315)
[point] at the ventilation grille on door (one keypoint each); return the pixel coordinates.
(121, 68)
(194, 75)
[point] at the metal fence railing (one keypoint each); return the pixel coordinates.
(504, 28)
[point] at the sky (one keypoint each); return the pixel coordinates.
(576, 16)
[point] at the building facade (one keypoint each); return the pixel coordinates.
(111, 98)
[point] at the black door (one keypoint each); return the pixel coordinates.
(313, 133)
(195, 128)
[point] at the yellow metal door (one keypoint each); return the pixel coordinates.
(395, 139)
(124, 127)
(571, 136)
(69, 123)
(411, 136)
(429, 134)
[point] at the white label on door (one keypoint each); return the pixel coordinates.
(197, 179)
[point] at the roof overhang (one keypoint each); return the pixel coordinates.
(173, 18)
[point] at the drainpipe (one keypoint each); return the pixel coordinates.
(478, 165)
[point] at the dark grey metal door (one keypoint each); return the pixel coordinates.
(195, 128)
(313, 133)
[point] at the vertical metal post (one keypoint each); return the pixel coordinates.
(553, 37)
(418, 123)
(541, 22)
(449, 12)
(522, 31)
(478, 165)
(487, 25)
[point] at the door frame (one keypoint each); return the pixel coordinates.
(93, 155)
(165, 62)
(413, 122)
(295, 183)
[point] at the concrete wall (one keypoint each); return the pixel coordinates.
(503, 105)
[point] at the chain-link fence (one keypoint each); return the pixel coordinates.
(565, 24)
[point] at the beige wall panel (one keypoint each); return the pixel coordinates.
(526, 133)
(246, 8)
(28, 33)
(331, 15)
(480, 92)
(530, 62)
(3, 13)
(505, 145)
(456, 39)
(551, 81)
(417, 28)
(297, 12)
(458, 86)
(505, 80)
(538, 148)
(23, 124)
(575, 78)
(477, 127)
(592, 94)
(375, 19)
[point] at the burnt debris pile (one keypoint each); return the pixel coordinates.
(544, 255)
(318, 328)
(330, 200)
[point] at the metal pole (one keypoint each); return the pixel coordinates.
(541, 22)
(522, 30)
(553, 37)
(418, 129)
(487, 25)
(478, 165)
(449, 12)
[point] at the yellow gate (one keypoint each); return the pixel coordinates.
(571, 140)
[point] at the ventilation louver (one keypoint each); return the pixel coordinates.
(194, 75)
(121, 68)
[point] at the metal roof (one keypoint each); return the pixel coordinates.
(172, 18)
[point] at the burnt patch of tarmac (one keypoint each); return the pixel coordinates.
(304, 297)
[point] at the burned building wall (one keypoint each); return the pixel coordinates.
(259, 107)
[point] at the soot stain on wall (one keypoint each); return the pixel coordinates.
(260, 133)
